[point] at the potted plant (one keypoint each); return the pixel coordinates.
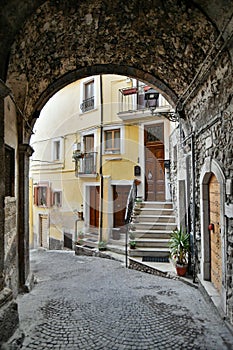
(80, 238)
(132, 242)
(102, 245)
(179, 248)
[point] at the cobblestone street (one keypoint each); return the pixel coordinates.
(92, 303)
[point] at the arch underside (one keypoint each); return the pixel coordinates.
(161, 43)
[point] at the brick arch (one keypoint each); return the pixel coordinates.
(165, 40)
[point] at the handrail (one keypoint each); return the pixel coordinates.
(128, 213)
(130, 201)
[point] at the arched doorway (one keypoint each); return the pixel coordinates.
(215, 233)
(213, 241)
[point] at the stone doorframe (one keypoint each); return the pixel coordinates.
(210, 167)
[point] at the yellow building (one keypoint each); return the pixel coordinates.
(93, 139)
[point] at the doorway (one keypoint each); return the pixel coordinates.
(120, 196)
(43, 231)
(154, 162)
(94, 205)
(215, 234)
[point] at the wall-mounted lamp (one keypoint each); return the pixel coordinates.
(151, 97)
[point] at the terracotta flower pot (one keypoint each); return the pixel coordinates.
(181, 269)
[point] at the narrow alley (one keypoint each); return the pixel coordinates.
(88, 303)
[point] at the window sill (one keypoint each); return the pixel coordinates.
(87, 175)
(86, 112)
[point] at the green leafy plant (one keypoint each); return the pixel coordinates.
(80, 238)
(179, 246)
(132, 244)
(102, 245)
(132, 236)
(80, 235)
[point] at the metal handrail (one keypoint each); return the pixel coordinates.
(128, 214)
(130, 201)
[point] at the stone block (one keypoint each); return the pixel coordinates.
(9, 318)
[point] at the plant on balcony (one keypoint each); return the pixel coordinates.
(179, 248)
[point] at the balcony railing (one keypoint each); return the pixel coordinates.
(85, 163)
(87, 104)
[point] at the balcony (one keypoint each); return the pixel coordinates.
(133, 105)
(85, 164)
(87, 104)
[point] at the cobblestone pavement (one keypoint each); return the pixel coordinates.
(92, 303)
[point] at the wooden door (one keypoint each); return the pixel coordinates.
(215, 235)
(154, 163)
(94, 205)
(43, 231)
(89, 143)
(120, 196)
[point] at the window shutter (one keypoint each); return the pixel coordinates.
(49, 198)
(36, 195)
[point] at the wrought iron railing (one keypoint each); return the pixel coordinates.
(130, 203)
(87, 104)
(86, 163)
(128, 214)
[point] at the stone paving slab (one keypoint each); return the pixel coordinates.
(82, 302)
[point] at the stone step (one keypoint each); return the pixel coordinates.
(152, 234)
(157, 205)
(152, 243)
(153, 211)
(159, 252)
(115, 248)
(117, 242)
(147, 226)
(88, 241)
(153, 218)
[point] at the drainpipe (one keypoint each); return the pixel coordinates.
(193, 177)
(194, 205)
(101, 158)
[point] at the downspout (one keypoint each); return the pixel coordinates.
(193, 176)
(194, 205)
(101, 158)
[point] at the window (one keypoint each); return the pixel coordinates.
(88, 97)
(112, 141)
(89, 89)
(57, 198)
(9, 171)
(56, 150)
(42, 195)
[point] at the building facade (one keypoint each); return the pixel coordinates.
(182, 49)
(81, 146)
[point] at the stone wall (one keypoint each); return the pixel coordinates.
(67, 36)
(11, 245)
(210, 118)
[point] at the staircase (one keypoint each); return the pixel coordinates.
(152, 224)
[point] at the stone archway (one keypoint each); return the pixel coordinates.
(62, 38)
(212, 174)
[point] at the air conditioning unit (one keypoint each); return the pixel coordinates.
(76, 147)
